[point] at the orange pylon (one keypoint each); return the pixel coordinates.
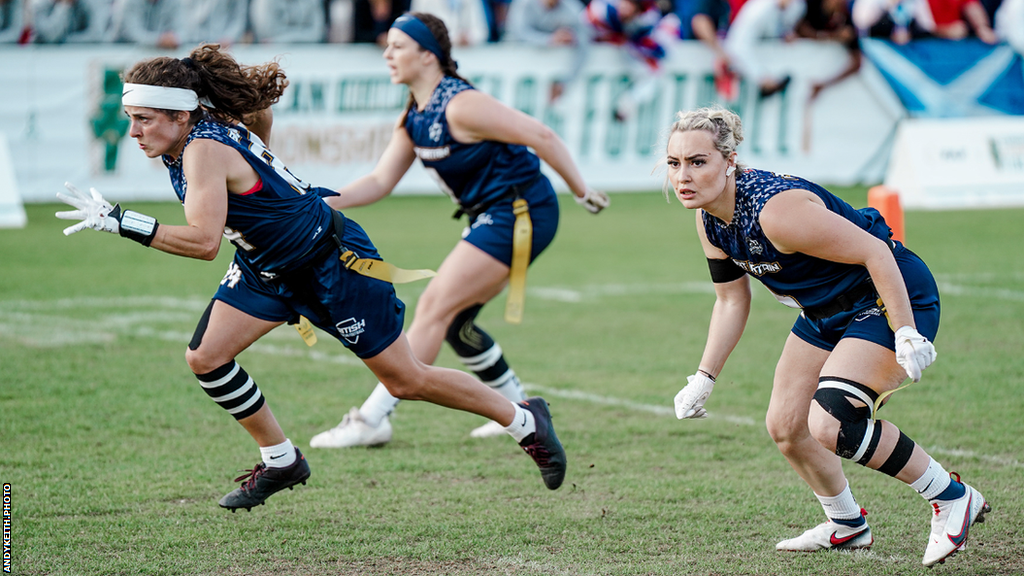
(887, 201)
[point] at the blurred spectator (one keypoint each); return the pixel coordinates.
(758, 21)
(153, 23)
(217, 21)
(466, 20)
(639, 27)
(551, 23)
(898, 20)
(497, 17)
(957, 19)
(69, 21)
(708, 21)
(373, 18)
(830, 20)
(1010, 24)
(340, 20)
(12, 20)
(287, 21)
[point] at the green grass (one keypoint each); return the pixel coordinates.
(116, 458)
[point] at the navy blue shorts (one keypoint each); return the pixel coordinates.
(492, 230)
(867, 322)
(363, 313)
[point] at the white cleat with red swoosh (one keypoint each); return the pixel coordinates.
(951, 522)
(830, 536)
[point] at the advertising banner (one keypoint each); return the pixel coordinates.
(63, 119)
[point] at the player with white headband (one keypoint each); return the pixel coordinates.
(208, 118)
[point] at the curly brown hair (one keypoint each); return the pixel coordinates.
(237, 92)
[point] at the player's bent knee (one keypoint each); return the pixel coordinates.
(852, 405)
(824, 428)
(404, 387)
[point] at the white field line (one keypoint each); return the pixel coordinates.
(34, 323)
(741, 420)
(591, 293)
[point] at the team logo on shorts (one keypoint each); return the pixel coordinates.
(232, 277)
(351, 329)
(876, 311)
(484, 219)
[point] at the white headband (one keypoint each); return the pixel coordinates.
(159, 97)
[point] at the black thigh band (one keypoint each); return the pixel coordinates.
(724, 270)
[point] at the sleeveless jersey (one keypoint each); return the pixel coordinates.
(277, 228)
(471, 174)
(797, 280)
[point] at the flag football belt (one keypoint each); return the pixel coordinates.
(845, 302)
(377, 269)
(842, 303)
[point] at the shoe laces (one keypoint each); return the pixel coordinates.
(352, 416)
(250, 477)
(539, 453)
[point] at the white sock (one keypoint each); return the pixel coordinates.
(841, 506)
(508, 385)
(522, 424)
(280, 456)
(933, 482)
(378, 406)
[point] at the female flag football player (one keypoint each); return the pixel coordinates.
(476, 148)
(843, 358)
(207, 118)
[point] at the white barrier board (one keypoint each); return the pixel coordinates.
(959, 163)
(12, 212)
(63, 119)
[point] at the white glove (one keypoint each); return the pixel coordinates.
(913, 351)
(94, 212)
(593, 201)
(690, 400)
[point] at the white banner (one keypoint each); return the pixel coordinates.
(63, 119)
(959, 163)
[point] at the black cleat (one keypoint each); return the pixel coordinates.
(261, 483)
(543, 445)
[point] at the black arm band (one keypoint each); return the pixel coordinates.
(724, 270)
(135, 226)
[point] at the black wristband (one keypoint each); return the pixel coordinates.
(135, 226)
(705, 372)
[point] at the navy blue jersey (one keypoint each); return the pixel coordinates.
(472, 174)
(276, 228)
(797, 280)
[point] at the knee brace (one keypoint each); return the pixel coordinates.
(859, 432)
(479, 352)
(233, 389)
(463, 335)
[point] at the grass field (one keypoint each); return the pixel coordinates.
(116, 458)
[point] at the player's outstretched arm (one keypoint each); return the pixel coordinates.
(474, 116)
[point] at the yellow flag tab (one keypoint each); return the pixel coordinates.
(522, 242)
(305, 330)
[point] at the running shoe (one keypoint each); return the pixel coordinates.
(951, 521)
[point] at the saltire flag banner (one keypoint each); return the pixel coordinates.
(937, 78)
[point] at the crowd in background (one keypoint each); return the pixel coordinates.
(646, 29)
